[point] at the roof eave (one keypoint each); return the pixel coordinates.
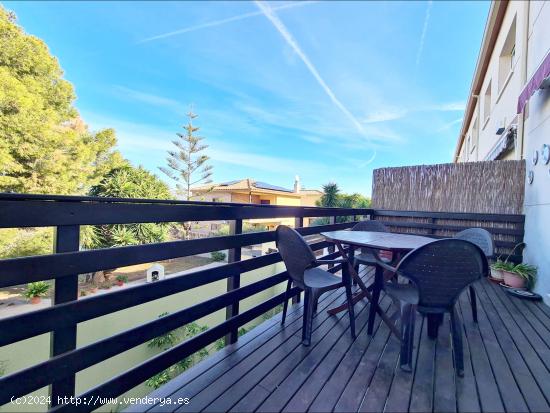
(492, 28)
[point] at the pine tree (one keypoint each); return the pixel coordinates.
(186, 166)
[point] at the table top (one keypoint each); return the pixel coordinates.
(378, 240)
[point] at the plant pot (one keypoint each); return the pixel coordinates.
(497, 274)
(513, 280)
(35, 300)
(120, 283)
(93, 290)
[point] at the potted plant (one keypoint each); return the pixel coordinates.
(36, 290)
(121, 279)
(520, 276)
(496, 270)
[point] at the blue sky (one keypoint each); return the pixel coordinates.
(325, 90)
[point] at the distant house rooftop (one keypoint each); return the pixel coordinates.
(251, 185)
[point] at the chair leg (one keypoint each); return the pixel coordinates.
(351, 310)
(378, 283)
(473, 302)
(434, 321)
(408, 316)
(356, 268)
(285, 304)
(309, 303)
(456, 332)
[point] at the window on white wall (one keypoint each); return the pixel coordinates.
(507, 59)
(474, 137)
(487, 103)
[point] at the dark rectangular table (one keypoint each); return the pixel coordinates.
(397, 244)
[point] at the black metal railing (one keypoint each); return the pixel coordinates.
(67, 214)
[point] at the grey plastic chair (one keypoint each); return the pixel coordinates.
(484, 240)
(365, 257)
(303, 272)
(439, 272)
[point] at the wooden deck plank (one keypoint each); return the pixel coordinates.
(305, 395)
(536, 368)
(337, 341)
(467, 397)
(510, 393)
(327, 397)
(444, 378)
(211, 400)
(216, 380)
(422, 388)
(379, 388)
(490, 319)
(487, 387)
(533, 337)
(399, 395)
(270, 374)
(352, 396)
(269, 370)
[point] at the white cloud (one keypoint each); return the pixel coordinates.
(449, 124)
(150, 99)
(220, 22)
(423, 35)
(385, 115)
(449, 107)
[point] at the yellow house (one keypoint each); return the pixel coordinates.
(250, 191)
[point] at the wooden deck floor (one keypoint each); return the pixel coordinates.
(507, 362)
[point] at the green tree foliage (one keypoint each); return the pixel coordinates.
(333, 198)
(44, 145)
(128, 182)
(331, 195)
(24, 242)
(185, 164)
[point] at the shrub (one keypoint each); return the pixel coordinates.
(168, 340)
(218, 255)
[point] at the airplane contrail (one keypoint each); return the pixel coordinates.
(423, 35)
(289, 39)
(220, 22)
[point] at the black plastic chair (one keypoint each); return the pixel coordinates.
(439, 272)
(366, 257)
(483, 239)
(302, 269)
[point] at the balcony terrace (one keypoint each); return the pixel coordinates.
(507, 353)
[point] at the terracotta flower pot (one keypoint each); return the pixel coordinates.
(513, 280)
(120, 283)
(35, 300)
(496, 274)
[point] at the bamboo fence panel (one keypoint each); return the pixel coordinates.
(484, 187)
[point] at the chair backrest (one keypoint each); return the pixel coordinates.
(442, 269)
(481, 237)
(370, 225)
(296, 253)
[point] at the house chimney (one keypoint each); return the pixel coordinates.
(297, 187)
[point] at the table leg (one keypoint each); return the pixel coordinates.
(365, 293)
(378, 284)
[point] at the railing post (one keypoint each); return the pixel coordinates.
(298, 223)
(233, 282)
(331, 248)
(67, 239)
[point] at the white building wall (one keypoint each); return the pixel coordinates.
(499, 110)
(537, 133)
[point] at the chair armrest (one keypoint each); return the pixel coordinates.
(336, 261)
